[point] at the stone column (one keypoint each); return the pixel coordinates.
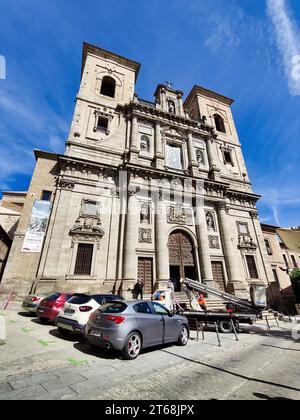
(213, 158)
(161, 238)
(130, 241)
(158, 146)
(134, 141)
(191, 150)
(262, 247)
(203, 244)
(232, 255)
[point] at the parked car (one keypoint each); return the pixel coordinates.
(76, 312)
(131, 326)
(31, 303)
(50, 307)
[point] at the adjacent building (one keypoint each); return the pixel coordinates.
(10, 211)
(281, 260)
(156, 190)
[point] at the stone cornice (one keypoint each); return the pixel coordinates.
(206, 92)
(149, 112)
(45, 155)
(100, 52)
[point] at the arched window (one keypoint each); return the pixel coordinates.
(219, 122)
(108, 87)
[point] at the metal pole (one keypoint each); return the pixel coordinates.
(277, 322)
(217, 332)
(269, 328)
(235, 333)
(202, 329)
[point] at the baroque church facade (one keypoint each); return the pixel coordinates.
(153, 190)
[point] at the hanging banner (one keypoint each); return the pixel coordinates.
(37, 226)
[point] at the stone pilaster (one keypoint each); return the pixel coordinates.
(262, 247)
(191, 150)
(158, 147)
(232, 256)
(130, 242)
(162, 252)
(213, 158)
(134, 143)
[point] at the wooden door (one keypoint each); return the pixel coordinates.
(145, 273)
(218, 275)
(182, 259)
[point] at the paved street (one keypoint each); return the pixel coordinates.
(37, 363)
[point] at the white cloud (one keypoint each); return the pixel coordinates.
(288, 41)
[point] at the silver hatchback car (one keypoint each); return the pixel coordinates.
(131, 326)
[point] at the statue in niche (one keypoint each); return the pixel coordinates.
(210, 221)
(145, 213)
(200, 157)
(171, 105)
(145, 144)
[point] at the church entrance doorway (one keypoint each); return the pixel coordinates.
(182, 258)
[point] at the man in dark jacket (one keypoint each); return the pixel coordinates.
(138, 290)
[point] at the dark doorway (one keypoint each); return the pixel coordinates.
(182, 258)
(218, 275)
(145, 273)
(175, 277)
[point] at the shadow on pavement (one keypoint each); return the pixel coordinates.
(280, 348)
(72, 338)
(26, 314)
(216, 368)
(266, 397)
(97, 352)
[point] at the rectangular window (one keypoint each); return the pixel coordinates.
(84, 259)
(294, 261)
(46, 195)
(268, 246)
(252, 267)
(174, 157)
(102, 123)
(90, 208)
(243, 228)
(285, 260)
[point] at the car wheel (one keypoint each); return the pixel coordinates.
(225, 327)
(183, 336)
(133, 346)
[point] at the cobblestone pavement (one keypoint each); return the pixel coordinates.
(37, 363)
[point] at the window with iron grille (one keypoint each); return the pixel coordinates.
(252, 267)
(84, 259)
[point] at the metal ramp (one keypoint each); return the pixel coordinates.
(200, 287)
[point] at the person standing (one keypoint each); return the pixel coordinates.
(138, 290)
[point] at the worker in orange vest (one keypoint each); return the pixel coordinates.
(202, 302)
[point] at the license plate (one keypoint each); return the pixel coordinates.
(65, 327)
(69, 312)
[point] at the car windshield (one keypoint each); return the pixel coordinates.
(113, 308)
(79, 299)
(54, 297)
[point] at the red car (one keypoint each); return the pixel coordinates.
(50, 307)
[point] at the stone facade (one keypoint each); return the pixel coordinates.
(282, 260)
(156, 190)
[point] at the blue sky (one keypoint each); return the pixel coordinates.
(241, 48)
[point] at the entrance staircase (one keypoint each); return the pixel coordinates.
(215, 305)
